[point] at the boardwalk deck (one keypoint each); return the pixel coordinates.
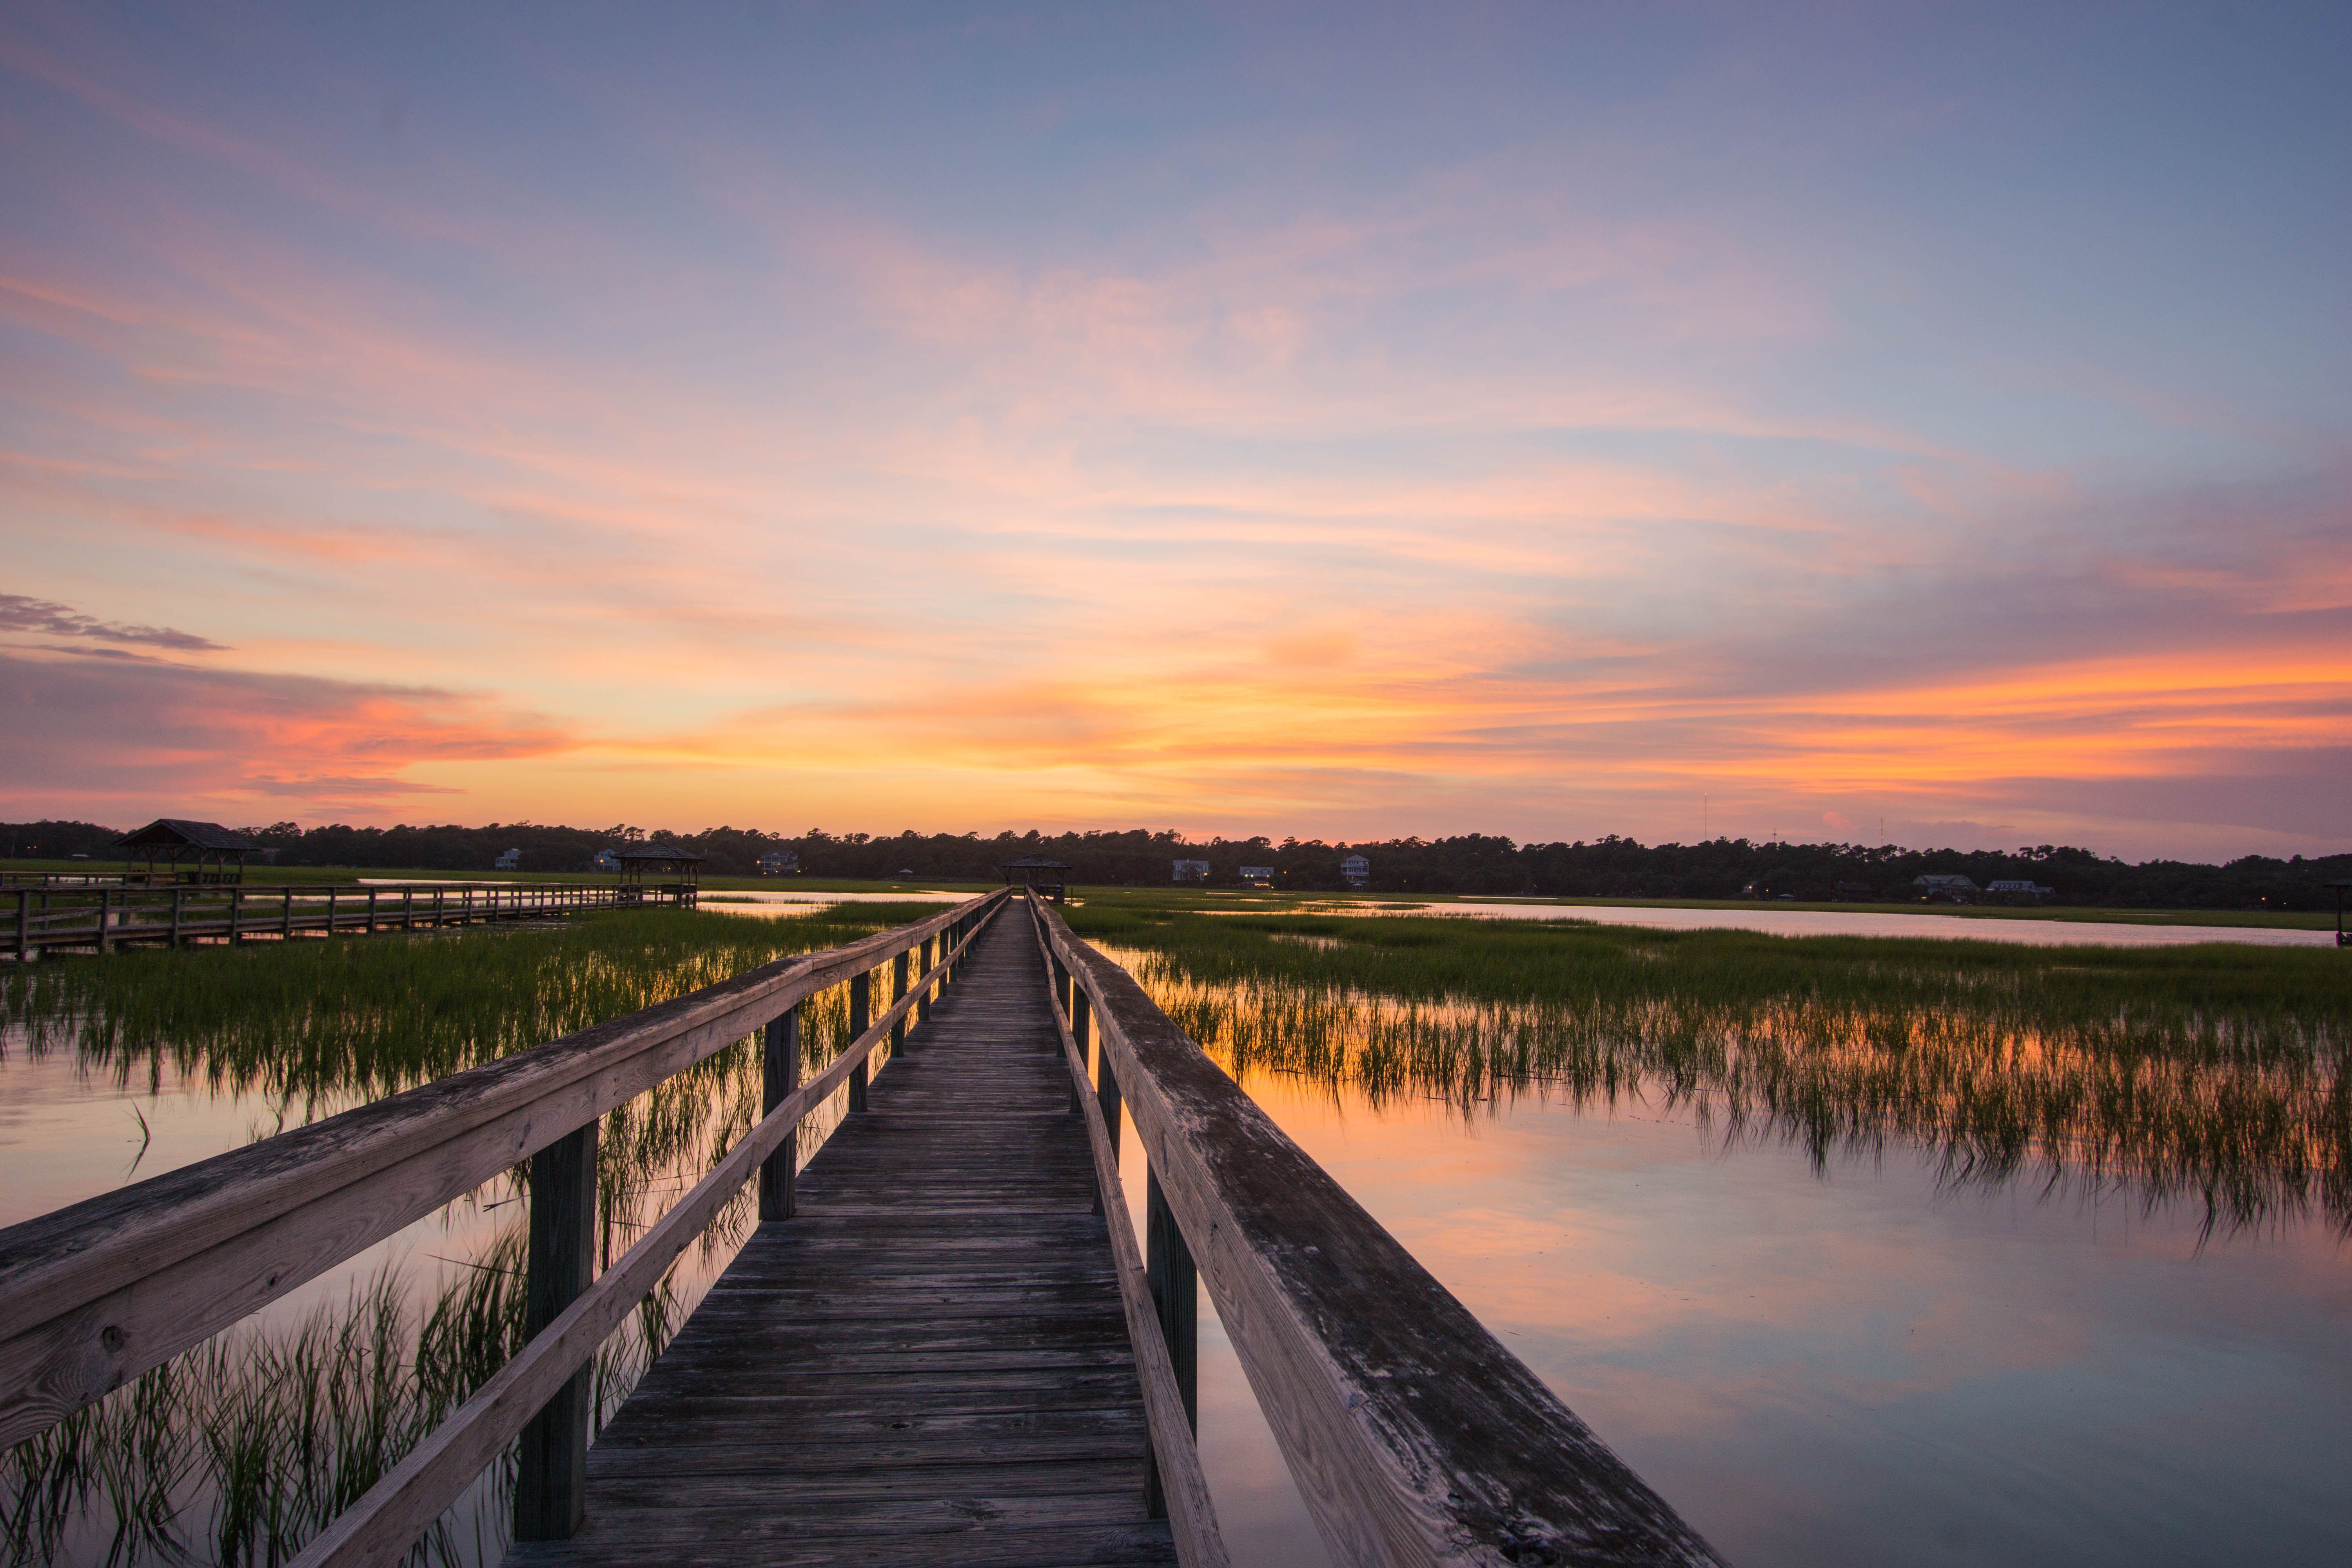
(927, 1362)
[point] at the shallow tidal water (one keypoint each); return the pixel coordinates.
(1859, 1362)
(1863, 1365)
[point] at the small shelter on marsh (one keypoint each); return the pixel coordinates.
(680, 868)
(1040, 874)
(189, 851)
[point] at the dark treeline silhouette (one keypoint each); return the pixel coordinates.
(1473, 863)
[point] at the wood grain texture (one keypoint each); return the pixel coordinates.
(382, 1526)
(1414, 1436)
(1174, 1487)
(93, 1294)
(929, 1363)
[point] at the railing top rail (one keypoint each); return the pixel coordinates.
(94, 1293)
(1414, 1435)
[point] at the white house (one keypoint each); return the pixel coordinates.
(780, 863)
(605, 861)
(1258, 876)
(510, 861)
(2028, 889)
(1356, 869)
(1191, 871)
(1948, 888)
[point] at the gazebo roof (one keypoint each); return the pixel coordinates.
(178, 833)
(678, 852)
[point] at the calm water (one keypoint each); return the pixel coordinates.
(1861, 922)
(1860, 1364)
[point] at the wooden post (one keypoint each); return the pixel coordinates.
(861, 1013)
(236, 914)
(780, 1073)
(1175, 1295)
(1106, 1082)
(898, 993)
(1061, 985)
(175, 917)
(105, 942)
(923, 1003)
(552, 1484)
(408, 909)
(330, 908)
(371, 930)
(285, 926)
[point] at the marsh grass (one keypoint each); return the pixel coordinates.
(2205, 1075)
(240, 1450)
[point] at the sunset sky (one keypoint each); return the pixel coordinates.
(1543, 420)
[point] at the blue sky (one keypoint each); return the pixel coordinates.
(1342, 422)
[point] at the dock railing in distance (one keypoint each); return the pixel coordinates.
(1414, 1436)
(1174, 1488)
(94, 1294)
(33, 920)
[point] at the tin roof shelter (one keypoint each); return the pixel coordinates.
(192, 851)
(674, 860)
(1040, 873)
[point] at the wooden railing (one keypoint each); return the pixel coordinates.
(1156, 1293)
(1412, 1434)
(106, 919)
(93, 1295)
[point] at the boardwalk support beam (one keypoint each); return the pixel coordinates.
(551, 1483)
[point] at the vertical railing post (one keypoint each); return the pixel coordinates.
(930, 985)
(1175, 1294)
(330, 908)
(24, 924)
(1061, 982)
(1105, 1081)
(551, 1483)
(105, 940)
(236, 914)
(371, 929)
(285, 926)
(861, 1013)
(897, 995)
(780, 1073)
(175, 916)
(408, 909)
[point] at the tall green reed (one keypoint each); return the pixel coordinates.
(241, 1449)
(2202, 1074)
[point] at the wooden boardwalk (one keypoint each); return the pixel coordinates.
(927, 1362)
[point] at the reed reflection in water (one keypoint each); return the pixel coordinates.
(239, 1451)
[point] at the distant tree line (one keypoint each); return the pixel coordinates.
(1612, 867)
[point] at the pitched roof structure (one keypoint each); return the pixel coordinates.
(180, 833)
(676, 852)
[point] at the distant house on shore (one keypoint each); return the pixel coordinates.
(1356, 869)
(605, 860)
(510, 861)
(780, 863)
(2021, 891)
(1191, 871)
(1947, 889)
(1857, 893)
(1258, 875)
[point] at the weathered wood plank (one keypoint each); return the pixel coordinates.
(929, 1362)
(95, 1293)
(1413, 1434)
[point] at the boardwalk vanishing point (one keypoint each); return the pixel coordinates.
(943, 1343)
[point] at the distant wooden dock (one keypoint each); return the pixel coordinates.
(64, 917)
(943, 1344)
